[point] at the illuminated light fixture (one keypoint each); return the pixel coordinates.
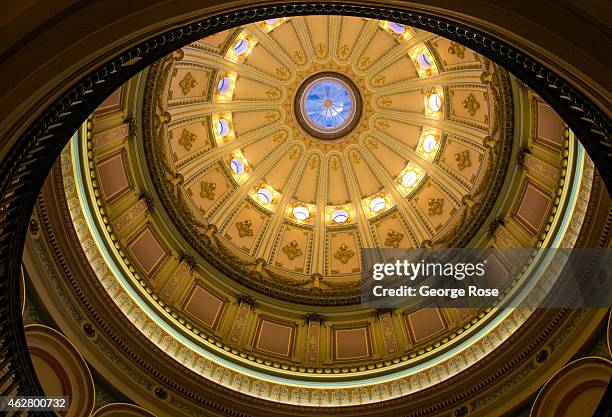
(409, 179)
(435, 102)
(378, 204)
(424, 61)
(265, 196)
(271, 21)
(222, 127)
(223, 85)
(429, 143)
(397, 27)
(237, 166)
(241, 46)
(301, 213)
(339, 216)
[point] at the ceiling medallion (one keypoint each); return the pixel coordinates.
(327, 105)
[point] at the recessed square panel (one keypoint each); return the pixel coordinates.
(147, 250)
(352, 343)
(204, 306)
(274, 338)
(112, 176)
(532, 207)
(424, 323)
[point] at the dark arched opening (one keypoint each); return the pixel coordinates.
(26, 165)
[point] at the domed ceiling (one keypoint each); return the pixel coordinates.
(288, 145)
(223, 202)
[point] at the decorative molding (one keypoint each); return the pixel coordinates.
(388, 334)
(188, 83)
(344, 254)
(181, 273)
(131, 214)
(434, 206)
(239, 324)
(313, 338)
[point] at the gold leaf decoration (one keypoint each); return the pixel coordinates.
(371, 143)
(344, 254)
(321, 50)
(313, 162)
(292, 250)
(188, 83)
(463, 159)
(382, 124)
(471, 104)
(245, 228)
(271, 116)
(279, 136)
(187, 139)
(293, 153)
(207, 190)
(272, 93)
(298, 57)
(385, 101)
(355, 157)
(456, 49)
(335, 164)
(282, 73)
(393, 238)
(435, 205)
(344, 50)
(364, 62)
(379, 80)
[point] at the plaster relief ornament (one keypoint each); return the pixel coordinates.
(207, 190)
(344, 254)
(463, 159)
(456, 49)
(245, 228)
(471, 104)
(187, 138)
(393, 238)
(188, 83)
(292, 250)
(435, 206)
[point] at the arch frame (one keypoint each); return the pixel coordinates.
(25, 166)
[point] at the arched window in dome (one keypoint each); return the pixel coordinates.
(241, 47)
(223, 85)
(223, 127)
(435, 102)
(397, 27)
(264, 196)
(424, 60)
(429, 143)
(301, 213)
(237, 166)
(339, 216)
(377, 204)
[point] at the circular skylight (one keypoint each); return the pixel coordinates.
(241, 46)
(397, 27)
(409, 179)
(339, 216)
(223, 85)
(424, 61)
(328, 105)
(378, 204)
(222, 127)
(265, 196)
(435, 102)
(237, 166)
(429, 143)
(301, 213)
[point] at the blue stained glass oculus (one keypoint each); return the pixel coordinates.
(328, 105)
